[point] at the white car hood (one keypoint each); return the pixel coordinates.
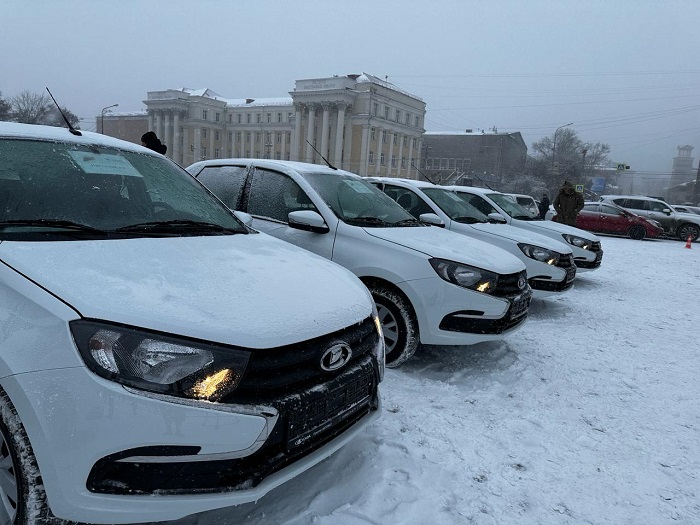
(249, 290)
(443, 244)
(519, 235)
(563, 228)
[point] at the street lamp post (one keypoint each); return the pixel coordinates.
(554, 146)
(102, 119)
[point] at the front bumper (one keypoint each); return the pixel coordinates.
(587, 260)
(110, 455)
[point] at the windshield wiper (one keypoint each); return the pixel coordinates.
(524, 217)
(176, 227)
(466, 219)
(52, 223)
(368, 221)
(408, 222)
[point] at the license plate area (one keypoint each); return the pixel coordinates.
(320, 411)
(570, 274)
(519, 305)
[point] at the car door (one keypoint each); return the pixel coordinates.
(272, 195)
(663, 213)
(613, 220)
(589, 218)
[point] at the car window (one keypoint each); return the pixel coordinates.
(408, 200)
(635, 204)
(609, 210)
(511, 207)
(658, 206)
(100, 187)
(594, 207)
(455, 207)
(226, 182)
(274, 195)
(478, 202)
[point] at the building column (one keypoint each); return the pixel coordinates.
(187, 157)
(197, 154)
(212, 134)
(325, 129)
(390, 159)
(159, 123)
(363, 167)
(309, 157)
(175, 146)
(296, 138)
(150, 120)
(166, 133)
(338, 154)
(400, 155)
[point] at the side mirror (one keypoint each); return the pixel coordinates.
(666, 211)
(497, 217)
(244, 217)
(432, 219)
(308, 220)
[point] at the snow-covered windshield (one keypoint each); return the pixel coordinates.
(91, 190)
(455, 207)
(512, 208)
(357, 202)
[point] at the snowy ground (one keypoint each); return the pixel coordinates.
(588, 415)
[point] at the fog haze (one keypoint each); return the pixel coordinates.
(623, 72)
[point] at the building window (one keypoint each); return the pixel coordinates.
(289, 139)
(258, 118)
(204, 133)
(279, 117)
(247, 136)
(386, 112)
(371, 157)
(375, 109)
(405, 141)
(289, 116)
(216, 153)
(417, 121)
(239, 136)
(414, 142)
(398, 115)
(230, 118)
(372, 133)
(205, 114)
(408, 118)
(240, 118)
(257, 153)
(384, 137)
(403, 162)
(230, 136)
(381, 159)
(396, 139)
(204, 152)
(216, 117)
(269, 118)
(278, 137)
(257, 137)
(217, 135)
(247, 118)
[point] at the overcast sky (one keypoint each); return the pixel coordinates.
(623, 71)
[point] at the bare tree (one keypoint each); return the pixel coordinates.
(30, 108)
(5, 109)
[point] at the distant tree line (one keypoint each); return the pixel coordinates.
(35, 108)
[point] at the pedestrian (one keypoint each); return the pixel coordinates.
(567, 204)
(151, 141)
(544, 206)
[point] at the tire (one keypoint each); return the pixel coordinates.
(637, 232)
(399, 325)
(22, 496)
(686, 229)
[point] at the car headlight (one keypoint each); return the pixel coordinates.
(577, 241)
(157, 362)
(465, 276)
(539, 254)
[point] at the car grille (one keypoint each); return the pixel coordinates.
(508, 285)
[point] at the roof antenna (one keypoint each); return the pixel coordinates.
(324, 158)
(424, 175)
(70, 126)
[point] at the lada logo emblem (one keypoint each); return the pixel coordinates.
(521, 282)
(336, 357)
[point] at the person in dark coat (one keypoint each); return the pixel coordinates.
(544, 206)
(567, 204)
(151, 141)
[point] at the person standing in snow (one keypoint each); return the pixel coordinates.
(544, 206)
(151, 141)
(567, 204)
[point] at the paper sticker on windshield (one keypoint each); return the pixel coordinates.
(103, 164)
(358, 186)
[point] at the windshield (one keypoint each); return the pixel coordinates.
(357, 202)
(512, 208)
(455, 207)
(80, 188)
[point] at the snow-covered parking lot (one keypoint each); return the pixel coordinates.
(588, 415)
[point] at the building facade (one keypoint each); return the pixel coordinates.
(473, 157)
(356, 122)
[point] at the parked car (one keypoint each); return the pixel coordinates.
(686, 208)
(606, 217)
(587, 248)
(158, 357)
(430, 287)
(549, 263)
(528, 202)
(675, 223)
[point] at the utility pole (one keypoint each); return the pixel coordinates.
(696, 191)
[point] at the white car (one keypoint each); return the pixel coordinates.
(158, 357)
(587, 248)
(528, 202)
(431, 286)
(549, 263)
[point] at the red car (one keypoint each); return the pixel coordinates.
(604, 217)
